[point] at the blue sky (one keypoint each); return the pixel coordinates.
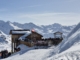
(42, 12)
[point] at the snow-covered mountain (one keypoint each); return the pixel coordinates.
(5, 41)
(7, 26)
(72, 38)
(45, 30)
(3, 37)
(69, 49)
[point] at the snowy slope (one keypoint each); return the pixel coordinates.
(5, 42)
(73, 53)
(69, 49)
(7, 26)
(45, 30)
(4, 38)
(28, 53)
(74, 37)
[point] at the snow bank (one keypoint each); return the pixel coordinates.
(74, 30)
(69, 49)
(23, 47)
(28, 53)
(73, 38)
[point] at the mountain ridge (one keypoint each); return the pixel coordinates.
(42, 29)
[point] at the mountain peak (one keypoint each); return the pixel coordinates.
(1, 21)
(8, 22)
(31, 23)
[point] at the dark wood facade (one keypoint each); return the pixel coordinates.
(34, 38)
(56, 40)
(15, 39)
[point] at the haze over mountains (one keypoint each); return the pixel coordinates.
(45, 30)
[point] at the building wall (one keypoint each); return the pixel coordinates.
(27, 43)
(34, 37)
(14, 44)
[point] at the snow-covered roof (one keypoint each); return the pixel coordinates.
(57, 32)
(20, 32)
(23, 37)
(49, 35)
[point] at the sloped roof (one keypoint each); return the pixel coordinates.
(57, 32)
(20, 31)
(28, 34)
(35, 33)
(23, 37)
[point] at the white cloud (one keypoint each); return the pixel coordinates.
(49, 18)
(44, 18)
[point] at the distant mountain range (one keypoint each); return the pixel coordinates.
(45, 30)
(68, 49)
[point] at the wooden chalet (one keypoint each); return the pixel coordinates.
(15, 35)
(17, 38)
(32, 38)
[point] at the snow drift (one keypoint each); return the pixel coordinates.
(69, 49)
(72, 38)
